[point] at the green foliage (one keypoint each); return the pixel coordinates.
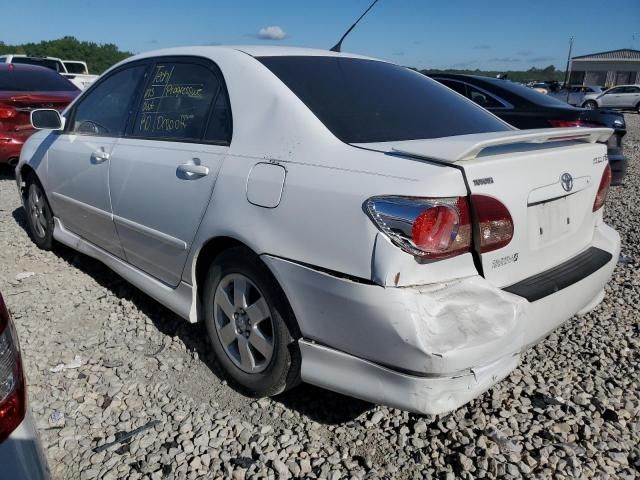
(531, 75)
(99, 57)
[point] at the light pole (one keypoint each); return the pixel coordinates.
(566, 70)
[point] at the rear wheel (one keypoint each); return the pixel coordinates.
(250, 324)
(39, 216)
(590, 105)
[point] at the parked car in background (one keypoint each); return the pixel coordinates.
(622, 97)
(24, 88)
(524, 108)
(539, 87)
(21, 455)
(341, 220)
(574, 94)
(75, 71)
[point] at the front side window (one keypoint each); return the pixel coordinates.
(455, 86)
(105, 109)
(614, 91)
(362, 101)
(176, 102)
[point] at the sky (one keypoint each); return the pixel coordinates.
(489, 34)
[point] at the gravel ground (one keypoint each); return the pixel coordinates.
(571, 410)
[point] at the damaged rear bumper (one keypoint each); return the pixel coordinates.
(428, 349)
(344, 373)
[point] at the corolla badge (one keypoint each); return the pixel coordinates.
(566, 180)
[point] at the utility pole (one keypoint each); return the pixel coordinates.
(566, 71)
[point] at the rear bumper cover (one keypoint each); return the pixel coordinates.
(427, 349)
(10, 146)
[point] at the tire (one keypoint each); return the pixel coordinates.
(590, 105)
(241, 326)
(39, 214)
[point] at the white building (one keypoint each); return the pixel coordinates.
(615, 67)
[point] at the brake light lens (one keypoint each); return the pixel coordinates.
(570, 123)
(495, 224)
(12, 390)
(7, 112)
(603, 189)
(431, 228)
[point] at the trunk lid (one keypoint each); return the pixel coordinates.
(546, 178)
(24, 103)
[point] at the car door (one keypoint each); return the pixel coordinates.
(79, 158)
(611, 97)
(629, 97)
(163, 171)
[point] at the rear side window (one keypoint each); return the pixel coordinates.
(363, 101)
(483, 99)
(41, 62)
(34, 80)
(219, 127)
(104, 110)
(176, 102)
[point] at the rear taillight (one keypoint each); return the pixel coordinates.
(12, 391)
(7, 112)
(431, 228)
(495, 224)
(603, 189)
(570, 123)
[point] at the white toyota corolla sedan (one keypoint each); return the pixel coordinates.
(332, 218)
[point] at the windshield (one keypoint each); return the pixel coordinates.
(363, 101)
(34, 80)
(75, 67)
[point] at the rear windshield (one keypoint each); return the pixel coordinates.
(364, 101)
(41, 62)
(34, 80)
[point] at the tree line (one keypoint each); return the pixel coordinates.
(549, 73)
(99, 57)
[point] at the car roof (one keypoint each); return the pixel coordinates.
(253, 50)
(24, 55)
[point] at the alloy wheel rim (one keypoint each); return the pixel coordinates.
(243, 323)
(37, 208)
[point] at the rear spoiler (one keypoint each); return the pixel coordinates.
(468, 147)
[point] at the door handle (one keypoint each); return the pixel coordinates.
(100, 156)
(193, 170)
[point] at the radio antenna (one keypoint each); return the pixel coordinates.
(338, 46)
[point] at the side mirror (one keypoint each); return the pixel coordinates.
(47, 119)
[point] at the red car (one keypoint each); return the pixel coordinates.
(22, 89)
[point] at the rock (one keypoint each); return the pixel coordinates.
(376, 417)
(57, 419)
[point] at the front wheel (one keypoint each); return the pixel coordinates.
(39, 216)
(250, 324)
(590, 105)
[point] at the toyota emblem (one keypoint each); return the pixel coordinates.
(567, 182)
